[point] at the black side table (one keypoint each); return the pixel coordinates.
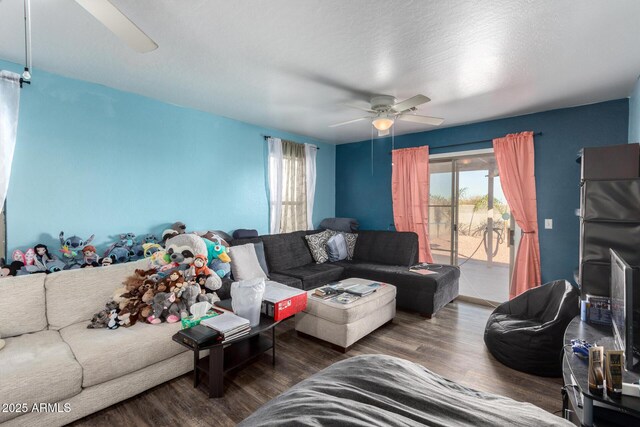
(229, 355)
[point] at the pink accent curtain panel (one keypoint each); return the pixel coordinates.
(515, 157)
(410, 194)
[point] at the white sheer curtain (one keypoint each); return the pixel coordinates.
(9, 106)
(275, 184)
(310, 152)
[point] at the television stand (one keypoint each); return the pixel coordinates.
(579, 405)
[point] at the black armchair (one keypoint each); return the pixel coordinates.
(527, 333)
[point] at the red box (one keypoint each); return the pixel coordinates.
(280, 301)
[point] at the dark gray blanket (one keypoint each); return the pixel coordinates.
(378, 390)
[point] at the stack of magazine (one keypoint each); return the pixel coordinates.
(228, 325)
(345, 293)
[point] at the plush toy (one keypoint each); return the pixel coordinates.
(149, 249)
(71, 248)
(43, 261)
(220, 261)
(182, 249)
(164, 308)
(188, 298)
(213, 236)
(199, 266)
(150, 238)
(90, 255)
(179, 227)
(122, 250)
(11, 269)
(113, 323)
(137, 252)
(101, 318)
(106, 261)
(27, 258)
(176, 229)
(176, 282)
(222, 269)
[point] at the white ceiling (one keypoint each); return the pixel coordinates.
(291, 64)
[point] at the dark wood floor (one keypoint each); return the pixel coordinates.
(450, 344)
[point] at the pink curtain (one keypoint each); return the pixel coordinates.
(515, 157)
(410, 193)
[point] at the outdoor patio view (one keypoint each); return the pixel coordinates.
(482, 230)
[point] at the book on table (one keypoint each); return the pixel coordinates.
(228, 325)
(422, 269)
(345, 298)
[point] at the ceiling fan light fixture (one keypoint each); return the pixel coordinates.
(382, 122)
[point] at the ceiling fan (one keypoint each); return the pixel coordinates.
(119, 24)
(386, 111)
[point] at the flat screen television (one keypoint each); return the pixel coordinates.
(622, 310)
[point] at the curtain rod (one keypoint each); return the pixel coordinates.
(470, 143)
(269, 136)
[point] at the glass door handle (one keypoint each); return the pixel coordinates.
(512, 236)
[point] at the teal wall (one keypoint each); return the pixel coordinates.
(365, 188)
(90, 159)
(634, 114)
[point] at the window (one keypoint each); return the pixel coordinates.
(292, 182)
(294, 188)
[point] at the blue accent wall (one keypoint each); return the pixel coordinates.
(91, 159)
(634, 114)
(363, 187)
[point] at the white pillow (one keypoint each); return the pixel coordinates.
(244, 263)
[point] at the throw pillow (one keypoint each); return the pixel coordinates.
(337, 248)
(351, 244)
(259, 247)
(244, 263)
(318, 245)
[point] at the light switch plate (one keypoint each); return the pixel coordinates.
(548, 223)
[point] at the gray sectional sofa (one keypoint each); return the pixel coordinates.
(379, 255)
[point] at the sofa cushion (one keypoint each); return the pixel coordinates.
(106, 354)
(288, 250)
(244, 263)
(22, 306)
(314, 275)
(387, 247)
(37, 368)
(318, 245)
(76, 295)
(286, 280)
(343, 314)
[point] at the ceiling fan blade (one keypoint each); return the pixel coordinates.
(410, 103)
(383, 132)
(116, 21)
(357, 107)
(348, 122)
(425, 120)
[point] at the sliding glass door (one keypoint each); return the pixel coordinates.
(470, 224)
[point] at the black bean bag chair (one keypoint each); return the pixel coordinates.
(527, 333)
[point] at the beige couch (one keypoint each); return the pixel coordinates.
(51, 357)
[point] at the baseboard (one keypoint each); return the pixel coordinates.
(478, 301)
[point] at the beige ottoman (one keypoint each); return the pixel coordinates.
(344, 324)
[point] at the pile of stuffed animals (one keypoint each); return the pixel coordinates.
(187, 270)
(76, 252)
